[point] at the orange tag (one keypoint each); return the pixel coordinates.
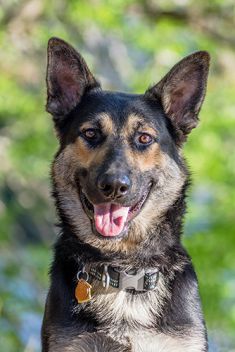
(83, 291)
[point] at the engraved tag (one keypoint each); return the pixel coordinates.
(83, 291)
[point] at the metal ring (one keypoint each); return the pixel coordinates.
(80, 275)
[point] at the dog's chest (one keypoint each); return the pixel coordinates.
(125, 308)
(133, 319)
(123, 311)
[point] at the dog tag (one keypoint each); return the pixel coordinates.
(83, 291)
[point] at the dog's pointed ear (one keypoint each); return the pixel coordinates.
(68, 78)
(182, 91)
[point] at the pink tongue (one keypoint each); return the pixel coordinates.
(110, 218)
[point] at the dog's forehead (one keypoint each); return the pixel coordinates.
(114, 110)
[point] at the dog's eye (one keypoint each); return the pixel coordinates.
(145, 138)
(90, 134)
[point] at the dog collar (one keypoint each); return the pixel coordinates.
(139, 280)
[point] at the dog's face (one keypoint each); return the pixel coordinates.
(119, 166)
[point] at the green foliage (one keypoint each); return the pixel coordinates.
(129, 44)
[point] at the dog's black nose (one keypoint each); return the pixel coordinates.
(114, 186)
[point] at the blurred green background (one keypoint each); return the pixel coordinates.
(129, 45)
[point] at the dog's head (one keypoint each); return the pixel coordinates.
(119, 166)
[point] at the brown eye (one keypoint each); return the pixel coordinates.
(145, 138)
(90, 133)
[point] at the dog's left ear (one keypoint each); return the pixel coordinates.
(68, 78)
(182, 91)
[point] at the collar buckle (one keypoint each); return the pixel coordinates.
(132, 281)
(105, 278)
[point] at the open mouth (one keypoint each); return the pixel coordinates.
(112, 219)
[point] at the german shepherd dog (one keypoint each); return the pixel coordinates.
(121, 279)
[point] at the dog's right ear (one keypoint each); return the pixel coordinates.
(68, 78)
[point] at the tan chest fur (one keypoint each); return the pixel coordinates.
(115, 307)
(138, 313)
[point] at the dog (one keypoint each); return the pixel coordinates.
(120, 278)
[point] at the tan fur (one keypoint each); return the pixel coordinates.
(119, 307)
(146, 160)
(86, 156)
(106, 124)
(105, 121)
(170, 176)
(137, 123)
(63, 171)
